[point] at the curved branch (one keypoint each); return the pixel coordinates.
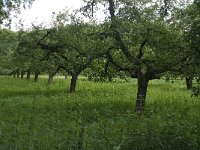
(116, 64)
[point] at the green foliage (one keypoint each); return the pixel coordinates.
(8, 43)
(73, 46)
(34, 116)
(27, 54)
(9, 6)
(153, 42)
(192, 27)
(102, 70)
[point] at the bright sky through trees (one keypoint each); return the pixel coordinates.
(41, 11)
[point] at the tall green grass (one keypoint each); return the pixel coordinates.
(100, 116)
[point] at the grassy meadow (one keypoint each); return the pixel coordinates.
(99, 116)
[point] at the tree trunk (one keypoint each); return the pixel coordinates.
(14, 74)
(18, 74)
(189, 82)
(28, 74)
(50, 79)
(22, 73)
(110, 78)
(73, 83)
(141, 93)
(36, 76)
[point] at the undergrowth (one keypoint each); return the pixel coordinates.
(100, 116)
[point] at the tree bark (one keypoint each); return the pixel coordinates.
(73, 83)
(50, 79)
(28, 74)
(141, 93)
(36, 76)
(189, 82)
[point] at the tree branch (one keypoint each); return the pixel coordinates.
(116, 64)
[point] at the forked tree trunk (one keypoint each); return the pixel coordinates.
(28, 74)
(189, 82)
(73, 83)
(141, 93)
(36, 76)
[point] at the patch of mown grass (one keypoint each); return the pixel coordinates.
(100, 116)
